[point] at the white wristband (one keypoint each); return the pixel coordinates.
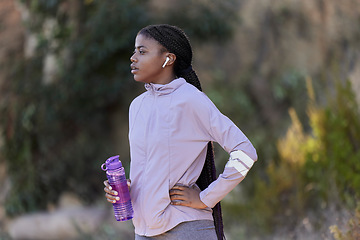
(240, 161)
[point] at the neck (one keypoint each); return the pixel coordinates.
(167, 78)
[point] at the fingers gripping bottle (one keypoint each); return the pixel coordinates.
(116, 175)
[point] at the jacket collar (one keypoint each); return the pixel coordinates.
(163, 89)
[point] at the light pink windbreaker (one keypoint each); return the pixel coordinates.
(169, 128)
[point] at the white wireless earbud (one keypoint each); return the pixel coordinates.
(166, 61)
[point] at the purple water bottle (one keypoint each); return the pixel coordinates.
(116, 175)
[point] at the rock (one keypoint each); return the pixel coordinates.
(69, 200)
(61, 224)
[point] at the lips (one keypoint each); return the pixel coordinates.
(134, 69)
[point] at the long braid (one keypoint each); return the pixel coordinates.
(176, 41)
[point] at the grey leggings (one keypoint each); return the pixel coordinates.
(193, 230)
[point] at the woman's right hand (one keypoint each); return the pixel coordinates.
(111, 195)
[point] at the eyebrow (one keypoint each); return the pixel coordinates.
(137, 47)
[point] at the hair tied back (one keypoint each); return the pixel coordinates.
(186, 71)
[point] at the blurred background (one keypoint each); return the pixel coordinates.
(287, 72)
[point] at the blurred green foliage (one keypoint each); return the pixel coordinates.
(57, 133)
(332, 168)
(315, 169)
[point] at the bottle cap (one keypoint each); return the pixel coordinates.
(111, 163)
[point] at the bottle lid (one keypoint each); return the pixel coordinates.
(111, 163)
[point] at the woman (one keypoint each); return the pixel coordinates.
(174, 189)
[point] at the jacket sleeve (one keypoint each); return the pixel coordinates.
(242, 153)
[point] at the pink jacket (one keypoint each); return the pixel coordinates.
(169, 128)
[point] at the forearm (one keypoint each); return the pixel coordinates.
(235, 171)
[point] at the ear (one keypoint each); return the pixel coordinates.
(172, 58)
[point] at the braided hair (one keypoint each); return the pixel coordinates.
(175, 41)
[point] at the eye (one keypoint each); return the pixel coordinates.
(141, 51)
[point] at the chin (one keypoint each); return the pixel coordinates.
(137, 79)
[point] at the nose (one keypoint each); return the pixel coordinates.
(132, 58)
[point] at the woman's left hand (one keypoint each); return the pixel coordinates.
(186, 196)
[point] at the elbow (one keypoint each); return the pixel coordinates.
(255, 158)
(253, 155)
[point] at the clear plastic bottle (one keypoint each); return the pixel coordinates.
(116, 175)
